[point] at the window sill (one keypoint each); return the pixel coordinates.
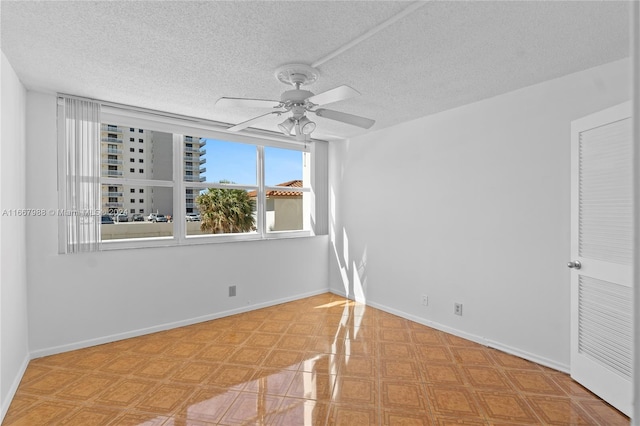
(136, 243)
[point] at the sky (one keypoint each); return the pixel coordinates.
(237, 162)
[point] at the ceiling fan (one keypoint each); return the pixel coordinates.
(299, 102)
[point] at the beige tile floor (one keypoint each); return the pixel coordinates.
(323, 360)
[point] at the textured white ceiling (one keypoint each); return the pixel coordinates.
(180, 57)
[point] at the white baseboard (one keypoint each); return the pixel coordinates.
(474, 338)
(6, 402)
(339, 293)
(167, 326)
(529, 356)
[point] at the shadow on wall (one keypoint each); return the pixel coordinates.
(352, 267)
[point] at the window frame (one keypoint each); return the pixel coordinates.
(180, 127)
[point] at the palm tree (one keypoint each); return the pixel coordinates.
(225, 211)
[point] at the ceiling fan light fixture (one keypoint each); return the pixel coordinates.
(306, 126)
(286, 126)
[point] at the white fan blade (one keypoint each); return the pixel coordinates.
(334, 95)
(355, 120)
(248, 123)
(246, 102)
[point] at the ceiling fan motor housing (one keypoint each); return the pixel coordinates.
(295, 96)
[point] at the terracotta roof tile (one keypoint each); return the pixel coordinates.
(278, 193)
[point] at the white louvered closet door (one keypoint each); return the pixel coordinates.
(602, 255)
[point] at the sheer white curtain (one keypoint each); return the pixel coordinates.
(79, 180)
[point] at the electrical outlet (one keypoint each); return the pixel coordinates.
(457, 308)
(232, 290)
(425, 300)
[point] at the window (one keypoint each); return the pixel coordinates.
(228, 173)
(286, 192)
(140, 140)
(131, 129)
(242, 187)
(113, 171)
(132, 150)
(132, 139)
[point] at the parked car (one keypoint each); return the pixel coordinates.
(193, 217)
(121, 217)
(157, 217)
(137, 217)
(106, 219)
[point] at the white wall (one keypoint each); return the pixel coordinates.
(470, 205)
(79, 300)
(14, 350)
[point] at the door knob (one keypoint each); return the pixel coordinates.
(575, 264)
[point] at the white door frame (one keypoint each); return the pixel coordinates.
(635, 84)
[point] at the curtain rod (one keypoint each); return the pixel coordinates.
(218, 125)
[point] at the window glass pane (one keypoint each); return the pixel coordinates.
(220, 211)
(282, 167)
(219, 161)
(147, 216)
(285, 210)
(117, 152)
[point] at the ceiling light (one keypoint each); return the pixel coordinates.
(286, 126)
(306, 126)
